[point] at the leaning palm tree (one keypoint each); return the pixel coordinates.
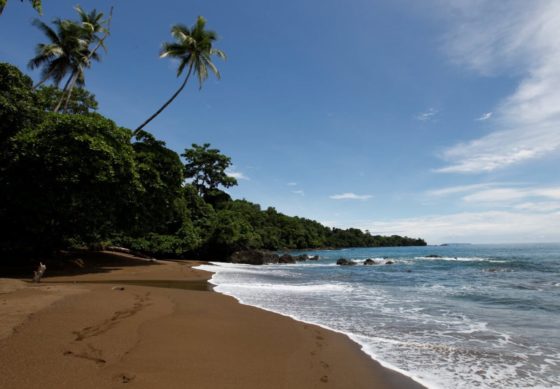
(193, 48)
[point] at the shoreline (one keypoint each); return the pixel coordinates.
(351, 337)
(94, 334)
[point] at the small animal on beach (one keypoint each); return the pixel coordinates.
(38, 274)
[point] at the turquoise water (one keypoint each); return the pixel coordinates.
(479, 316)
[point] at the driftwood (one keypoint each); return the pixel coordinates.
(124, 250)
(38, 274)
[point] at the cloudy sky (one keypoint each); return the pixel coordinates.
(438, 119)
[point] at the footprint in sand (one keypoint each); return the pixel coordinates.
(91, 331)
(99, 361)
(123, 378)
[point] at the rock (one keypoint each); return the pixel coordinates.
(301, 258)
(389, 263)
(369, 261)
(345, 262)
(313, 258)
(433, 256)
(286, 258)
(254, 257)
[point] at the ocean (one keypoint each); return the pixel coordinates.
(476, 316)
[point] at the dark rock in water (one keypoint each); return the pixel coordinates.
(389, 263)
(345, 262)
(286, 258)
(254, 257)
(301, 258)
(433, 256)
(369, 261)
(313, 258)
(408, 271)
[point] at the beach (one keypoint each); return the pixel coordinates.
(149, 324)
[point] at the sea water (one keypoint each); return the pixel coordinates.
(475, 316)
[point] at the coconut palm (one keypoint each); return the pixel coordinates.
(92, 24)
(193, 48)
(60, 56)
(68, 52)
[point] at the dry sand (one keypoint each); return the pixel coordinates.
(67, 334)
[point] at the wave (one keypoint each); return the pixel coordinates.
(459, 259)
(287, 288)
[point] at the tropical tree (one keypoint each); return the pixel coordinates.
(36, 4)
(193, 48)
(206, 168)
(58, 57)
(81, 102)
(92, 24)
(68, 53)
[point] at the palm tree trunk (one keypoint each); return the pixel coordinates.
(57, 108)
(37, 85)
(69, 92)
(166, 104)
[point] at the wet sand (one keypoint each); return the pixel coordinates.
(157, 325)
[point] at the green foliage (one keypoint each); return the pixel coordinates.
(71, 47)
(18, 105)
(72, 178)
(81, 102)
(206, 168)
(193, 48)
(76, 179)
(158, 207)
(35, 3)
(231, 233)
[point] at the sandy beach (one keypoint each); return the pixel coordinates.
(113, 324)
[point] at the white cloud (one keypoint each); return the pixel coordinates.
(292, 184)
(519, 38)
(237, 175)
(427, 115)
(299, 192)
(475, 227)
(458, 189)
(542, 206)
(504, 195)
(484, 117)
(350, 196)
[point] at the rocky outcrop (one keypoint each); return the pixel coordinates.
(389, 262)
(286, 258)
(263, 257)
(254, 257)
(370, 262)
(433, 256)
(345, 262)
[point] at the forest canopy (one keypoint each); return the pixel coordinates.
(76, 179)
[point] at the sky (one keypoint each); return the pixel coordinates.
(437, 119)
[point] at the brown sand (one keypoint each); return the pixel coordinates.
(95, 335)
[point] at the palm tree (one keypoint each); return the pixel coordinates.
(68, 53)
(92, 24)
(58, 58)
(193, 48)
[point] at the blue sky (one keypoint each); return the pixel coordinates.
(438, 119)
